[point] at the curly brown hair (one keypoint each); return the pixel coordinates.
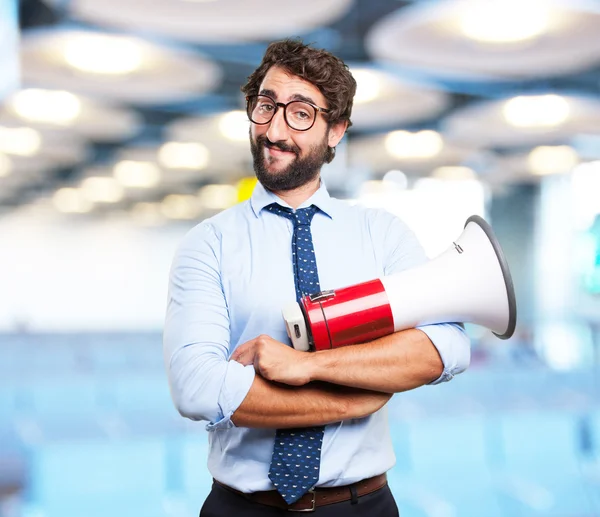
(317, 66)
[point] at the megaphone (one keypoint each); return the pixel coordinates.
(468, 283)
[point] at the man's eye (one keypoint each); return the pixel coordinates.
(266, 107)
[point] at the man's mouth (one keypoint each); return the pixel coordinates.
(274, 151)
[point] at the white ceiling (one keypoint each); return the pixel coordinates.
(166, 73)
(427, 37)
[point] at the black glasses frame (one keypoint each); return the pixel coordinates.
(278, 105)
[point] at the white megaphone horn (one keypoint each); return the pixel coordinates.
(470, 282)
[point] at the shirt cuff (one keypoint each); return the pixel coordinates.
(453, 345)
(236, 386)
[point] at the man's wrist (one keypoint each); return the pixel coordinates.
(317, 364)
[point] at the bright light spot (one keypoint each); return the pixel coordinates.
(444, 207)
(5, 165)
(552, 159)
(454, 173)
(434, 210)
(22, 141)
(178, 206)
(234, 125)
(147, 214)
(218, 197)
(507, 21)
(418, 146)
(373, 189)
(183, 155)
(551, 338)
(53, 107)
(130, 173)
(368, 86)
(71, 201)
(536, 111)
(585, 181)
(103, 54)
(102, 189)
(397, 178)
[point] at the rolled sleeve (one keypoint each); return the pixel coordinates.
(207, 387)
(204, 384)
(453, 345)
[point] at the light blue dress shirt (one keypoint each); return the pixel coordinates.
(230, 278)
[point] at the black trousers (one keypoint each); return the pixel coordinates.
(224, 503)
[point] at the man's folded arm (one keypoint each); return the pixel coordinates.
(205, 385)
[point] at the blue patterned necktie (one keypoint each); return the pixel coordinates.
(297, 453)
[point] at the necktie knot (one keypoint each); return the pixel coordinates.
(299, 217)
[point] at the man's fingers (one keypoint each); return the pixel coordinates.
(243, 354)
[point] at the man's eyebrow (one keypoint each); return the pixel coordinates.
(295, 97)
(299, 97)
(268, 92)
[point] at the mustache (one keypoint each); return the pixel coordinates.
(264, 141)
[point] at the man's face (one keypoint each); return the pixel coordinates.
(285, 159)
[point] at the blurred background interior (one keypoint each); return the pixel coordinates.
(122, 126)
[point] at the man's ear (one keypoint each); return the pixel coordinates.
(336, 132)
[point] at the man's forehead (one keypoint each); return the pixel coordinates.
(283, 86)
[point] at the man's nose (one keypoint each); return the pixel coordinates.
(278, 128)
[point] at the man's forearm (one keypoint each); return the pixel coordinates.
(398, 362)
(272, 405)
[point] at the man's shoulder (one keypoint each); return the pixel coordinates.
(224, 222)
(229, 219)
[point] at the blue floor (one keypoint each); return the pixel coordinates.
(87, 428)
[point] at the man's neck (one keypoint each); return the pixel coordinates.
(296, 197)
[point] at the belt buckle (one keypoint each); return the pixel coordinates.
(313, 502)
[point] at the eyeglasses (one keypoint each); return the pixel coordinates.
(298, 115)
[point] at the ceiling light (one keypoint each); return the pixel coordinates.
(103, 54)
(22, 141)
(234, 125)
(396, 178)
(372, 187)
(454, 173)
(178, 206)
(419, 145)
(506, 21)
(54, 107)
(557, 159)
(180, 155)
(368, 86)
(218, 197)
(102, 189)
(147, 214)
(375, 193)
(5, 165)
(71, 201)
(536, 111)
(130, 173)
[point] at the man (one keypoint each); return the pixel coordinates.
(291, 430)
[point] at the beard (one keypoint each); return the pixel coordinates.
(299, 172)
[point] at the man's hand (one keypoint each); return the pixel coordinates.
(275, 361)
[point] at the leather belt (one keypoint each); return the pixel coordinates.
(318, 496)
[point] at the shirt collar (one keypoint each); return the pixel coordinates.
(261, 197)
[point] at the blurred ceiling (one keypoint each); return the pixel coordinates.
(145, 96)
